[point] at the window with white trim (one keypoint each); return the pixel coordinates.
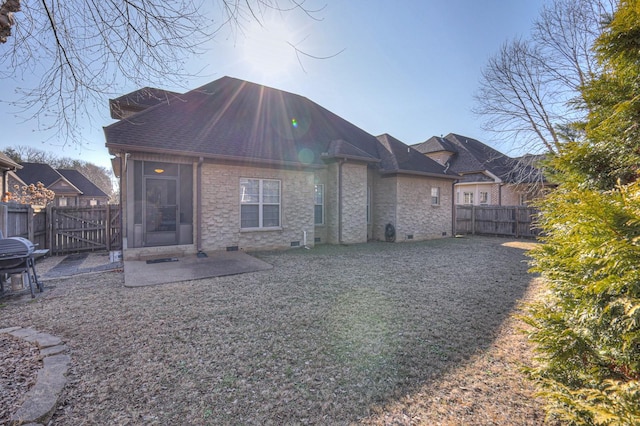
(467, 198)
(484, 197)
(318, 212)
(259, 203)
(435, 196)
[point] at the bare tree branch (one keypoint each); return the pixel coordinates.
(530, 88)
(84, 50)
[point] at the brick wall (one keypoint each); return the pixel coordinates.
(405, 202)
(385, 193)
(221, 208)
(354, 203)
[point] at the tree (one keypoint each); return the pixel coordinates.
(531, 87)
(587, 327)
(84, 50)
(34, 194)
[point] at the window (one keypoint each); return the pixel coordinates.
(93, 202)
(484, 198)
(435, 196)
(468, 197)
(259, 203)
(318, 212)
(62, 202)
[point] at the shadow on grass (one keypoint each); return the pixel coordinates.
(322, 338)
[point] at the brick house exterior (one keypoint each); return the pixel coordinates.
(235, 165)
(487, 176)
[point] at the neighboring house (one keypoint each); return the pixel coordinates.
(487, 177)
(71, 187)
(90, 193)
(7, 165)
(236, 165)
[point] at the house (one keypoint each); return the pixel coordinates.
(7, 165)
(71, 187)
(90, 194)
(234, 165)
(487, 176)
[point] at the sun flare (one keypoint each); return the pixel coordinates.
(268, 49)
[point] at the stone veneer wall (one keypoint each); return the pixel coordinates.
(354, 203)
(405, 202)
(416, 216)
(385, 194)
(221, 208)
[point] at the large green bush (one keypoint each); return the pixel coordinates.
(587, 326)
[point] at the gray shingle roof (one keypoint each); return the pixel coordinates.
(238, 120)
(472, 156)
(7, 163)
(139, 100)
(38, 172)
(81, 182)
(398, 157)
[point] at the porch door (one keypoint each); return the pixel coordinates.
(161, 211)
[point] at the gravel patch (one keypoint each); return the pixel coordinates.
(416, 333)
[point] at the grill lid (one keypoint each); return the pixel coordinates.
(15, 247)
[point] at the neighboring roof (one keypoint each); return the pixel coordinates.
(38, 172)
(472, 156)
(139, 100)
(398, 157)
(232, 119)
(80, 181)
(7, 163)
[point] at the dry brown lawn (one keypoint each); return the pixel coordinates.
(416, 333)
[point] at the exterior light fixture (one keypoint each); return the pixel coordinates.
(159, 171)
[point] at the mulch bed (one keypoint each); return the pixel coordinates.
(18, 371)
(416, 333)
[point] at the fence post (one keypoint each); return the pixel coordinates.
(108, 228)
(473, 220)
(4, 218)
(49, 228)
(31, 227)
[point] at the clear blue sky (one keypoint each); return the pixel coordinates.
(409, 68)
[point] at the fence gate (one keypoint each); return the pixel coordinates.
(74, 229)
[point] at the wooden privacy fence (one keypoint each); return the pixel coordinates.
(517, 221)
(64, 229)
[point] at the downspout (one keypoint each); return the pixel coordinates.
(122, 213)
(340, 163)
(199, 206)
(453, 208)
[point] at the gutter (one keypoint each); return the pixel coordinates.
(233, 158)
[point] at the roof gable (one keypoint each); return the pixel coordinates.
(81, 182)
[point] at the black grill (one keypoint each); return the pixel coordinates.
(17, 257)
